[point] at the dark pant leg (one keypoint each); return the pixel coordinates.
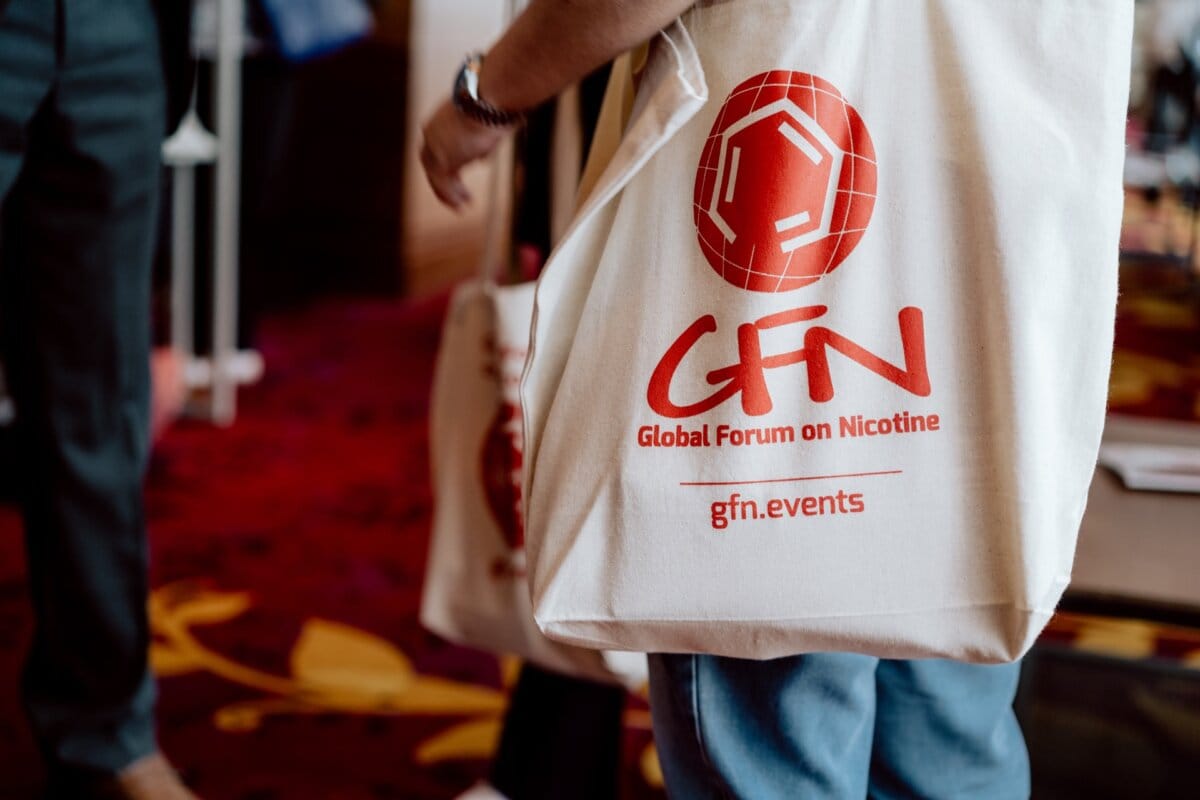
(562, 738)
(75, 249)
(27, 71)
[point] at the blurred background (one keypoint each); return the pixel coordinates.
(302, 277)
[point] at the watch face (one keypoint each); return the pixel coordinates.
(470, 78)
(466, 96)
(461, 95)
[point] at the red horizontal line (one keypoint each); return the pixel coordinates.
(794, 480)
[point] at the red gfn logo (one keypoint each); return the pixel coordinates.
(786, 183)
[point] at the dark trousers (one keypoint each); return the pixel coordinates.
(81, 121)
(562, 738)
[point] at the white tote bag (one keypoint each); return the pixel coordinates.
(475, 590)
(822, 364)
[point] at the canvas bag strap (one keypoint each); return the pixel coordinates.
(497, 235)
(493, 261)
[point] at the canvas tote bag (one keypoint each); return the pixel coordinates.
(821, 365)
(475, 590)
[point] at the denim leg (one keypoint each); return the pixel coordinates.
(798, 727)
(947, 730)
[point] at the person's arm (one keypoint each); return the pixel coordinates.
(550, 46)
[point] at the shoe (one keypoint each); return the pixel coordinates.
(481, 791)
(149, 778)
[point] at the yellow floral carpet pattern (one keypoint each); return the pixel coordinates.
(337, 669)
(1156, 363)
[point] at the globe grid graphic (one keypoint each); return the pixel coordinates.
(786, 183)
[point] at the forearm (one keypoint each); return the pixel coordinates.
(551, 45)
(556, 42)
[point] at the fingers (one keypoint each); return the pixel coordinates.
(451, 192)
(451, 141)
(446, 184)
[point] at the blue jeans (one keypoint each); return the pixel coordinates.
(836, 726)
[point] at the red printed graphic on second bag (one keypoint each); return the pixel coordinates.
(786, 183)
(501, 461)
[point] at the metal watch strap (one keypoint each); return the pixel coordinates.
(467, 100)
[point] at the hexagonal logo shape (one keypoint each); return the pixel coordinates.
(786, 183)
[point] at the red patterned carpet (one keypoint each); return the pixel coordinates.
(287, 558)
(287, 562)
(1156, 366)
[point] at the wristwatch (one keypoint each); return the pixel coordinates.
(467, 99)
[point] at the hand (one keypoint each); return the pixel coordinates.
(451, 141)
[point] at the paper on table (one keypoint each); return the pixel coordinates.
(1154, 467)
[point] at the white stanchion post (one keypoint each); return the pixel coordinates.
(188, 147)
(183, 243)
(230, 47)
